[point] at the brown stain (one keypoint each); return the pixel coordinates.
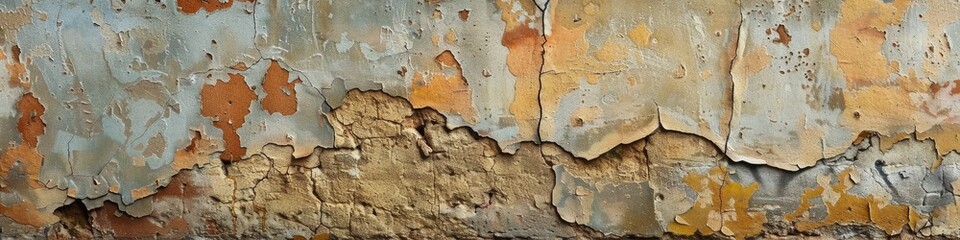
(783, 36)
(30, 125)
(155, 146)
(16, 68)
(227, 103)
(722, 205)
(464, 14)
(937, 87)
(449, 94)
(281, 95)
(109, 218)
(178, 188)
(844, 208)
(28, 214)
(193, 6)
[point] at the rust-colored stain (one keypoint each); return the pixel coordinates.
(227, 103)
(281, 95)
(783, 36)
(30, 124)
(845, 208)
(16, 68)
(193, 6)
(27, 159)
(722, 205)
(464, 14)
(28, 214)
(179, 187)
(25, 155)
(954, 90)
(122, 225)
(444, 93)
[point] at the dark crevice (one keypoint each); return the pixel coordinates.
(76, 219)
(543, 52)
(733, 81)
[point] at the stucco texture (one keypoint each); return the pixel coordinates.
(317, 119)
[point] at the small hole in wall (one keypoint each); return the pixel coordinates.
(856, 115)
(660, 197)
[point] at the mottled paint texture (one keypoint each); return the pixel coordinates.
(479, 119)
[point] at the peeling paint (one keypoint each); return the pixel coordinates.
(479, 119)
(722, 205)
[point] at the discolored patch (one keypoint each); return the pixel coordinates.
(281, 94)
(722, 205)
(848, 209)
(464, 14)
(109, 218)
(193, 6)
(449, 94)
(227, 103)
(28, 214)
(858, 38)
(525, 57)
(640, 35)
(22, 159)
(16, 68)
(30, 125)
(783, 36)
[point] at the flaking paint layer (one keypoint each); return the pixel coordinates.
(478, 119)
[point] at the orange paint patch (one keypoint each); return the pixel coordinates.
(27, 159)
(722, 205)
(227, 104)
(858, 37)
(449, 94)
(525, 46)
(16, 68)
(193, 6)
(845, 208)
(28, 214)
(30, 125)
(281, 95)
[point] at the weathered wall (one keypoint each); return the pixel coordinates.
(501, 118)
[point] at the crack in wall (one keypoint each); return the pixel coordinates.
(893, 190)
